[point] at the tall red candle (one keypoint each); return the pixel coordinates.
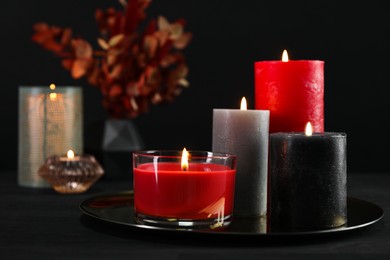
(293, 91)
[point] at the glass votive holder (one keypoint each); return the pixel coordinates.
(172, 190)
(68, 174)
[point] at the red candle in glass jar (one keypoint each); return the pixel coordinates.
(192, 194)
(293, 91)
(166, 191)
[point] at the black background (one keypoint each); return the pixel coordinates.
(229, 36)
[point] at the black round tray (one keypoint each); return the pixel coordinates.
(118, 208)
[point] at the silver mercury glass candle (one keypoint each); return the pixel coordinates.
(50, 123)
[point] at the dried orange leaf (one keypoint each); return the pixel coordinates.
(82, 48)
(183, 41)
(133, 103)
(116, 71)
(163, 24)
(183, 82)
(162, 37)
(103, 44)
(111, 58)
(67, 63)
(79, 68)
(176, 30)
(93, 77)
(115, 90)
(150, 45)
(66, 36)
(115, 39)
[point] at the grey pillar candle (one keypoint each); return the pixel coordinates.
(308, 180)
(245, 133)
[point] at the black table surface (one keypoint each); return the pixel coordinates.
(42, 223)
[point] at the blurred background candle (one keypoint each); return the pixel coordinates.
(50, 121)
(184, 189)
(308, 180)
(71, 173)
(293, 91)
(245, 133)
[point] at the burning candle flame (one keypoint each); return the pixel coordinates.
(52, 96)
(70, 154)
(309, 129)
(285, 56)
(243, 104)
(184, 160)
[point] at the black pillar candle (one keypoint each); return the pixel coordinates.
(308, 178)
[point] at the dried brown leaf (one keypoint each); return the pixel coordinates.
(93, 77)
(115, 39)
(133, 104)
(131, 89)
(82, 48)
(79, 68)
(176, 30)
(150, 45)
(111, 58)
(115, 90)
(162, 37)
(40, 27)
(67, 63)
(183, 41)
(66, 36)
(162, 23)
(170, 59)
(116, 71)
(103, 44)
(183, 82)
(53, 46)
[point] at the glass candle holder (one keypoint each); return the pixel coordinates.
(71, 175)
(168, 194)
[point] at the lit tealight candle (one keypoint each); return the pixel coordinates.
(70, 173)
(308, 180)
(70, 156)
(245, 133)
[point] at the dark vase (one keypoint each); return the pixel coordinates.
(120, 139)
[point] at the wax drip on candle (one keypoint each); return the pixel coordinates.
(309, 129)
(285, 56)
(184, 160)
(243, 104)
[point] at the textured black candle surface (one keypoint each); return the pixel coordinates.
(308, 180)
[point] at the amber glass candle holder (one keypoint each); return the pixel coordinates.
(71, 175)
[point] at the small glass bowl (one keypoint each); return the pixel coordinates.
(74, 175)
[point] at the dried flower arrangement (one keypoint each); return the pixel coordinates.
(132, 70)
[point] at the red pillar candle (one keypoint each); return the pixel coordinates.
(293, 91)
(198, 195)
